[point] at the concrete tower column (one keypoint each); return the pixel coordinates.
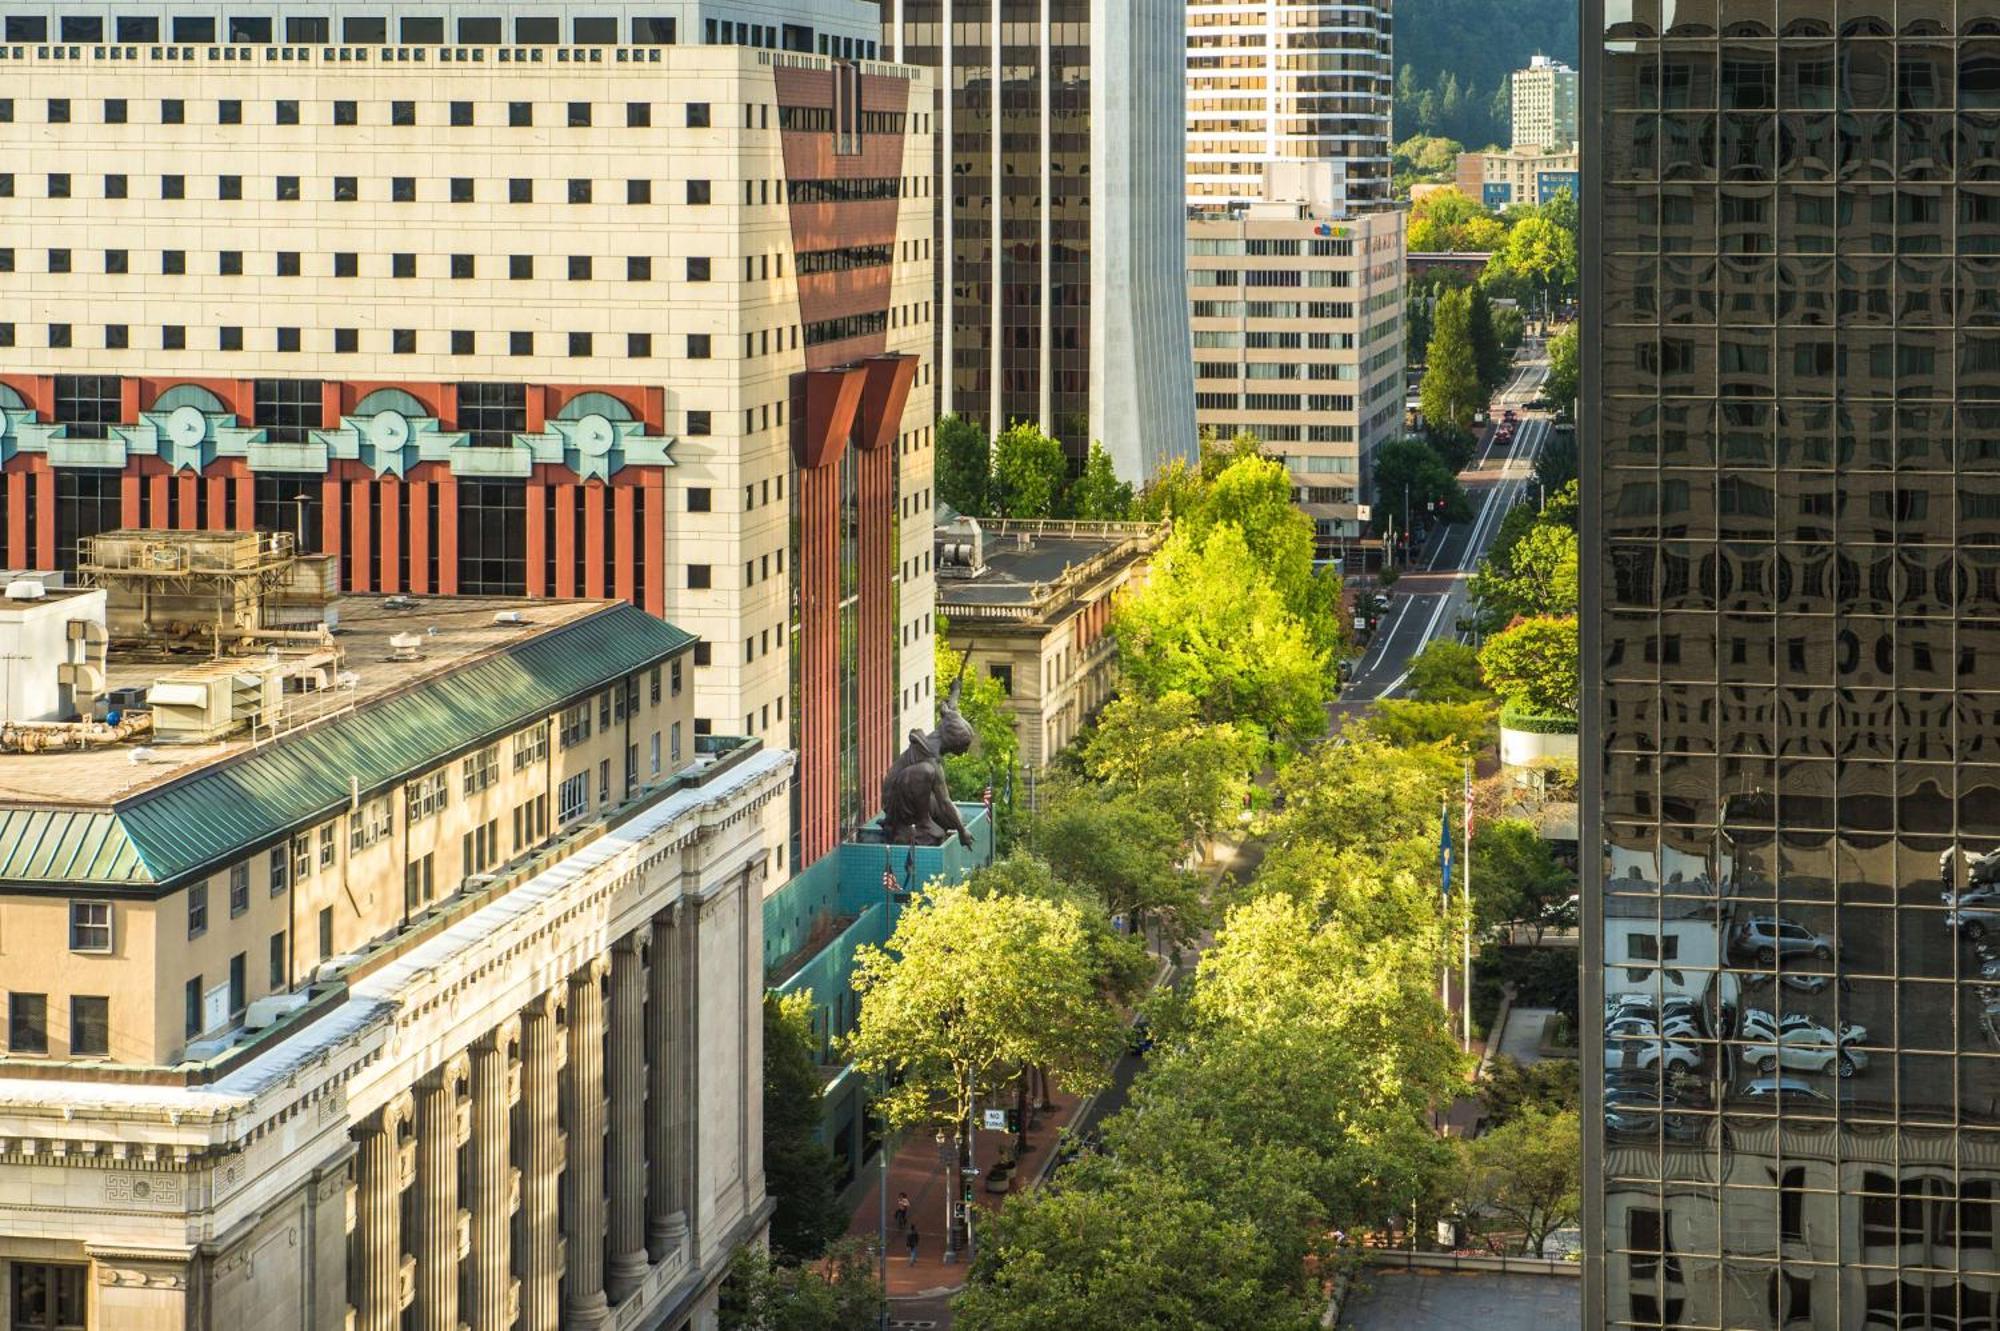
(584, 1304)
(542, 1155)
(626, 1079)
(489, 1182)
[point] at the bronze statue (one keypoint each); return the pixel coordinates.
(916, 801)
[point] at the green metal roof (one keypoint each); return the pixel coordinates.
(191, 827)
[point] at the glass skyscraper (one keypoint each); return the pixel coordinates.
(1791, 735)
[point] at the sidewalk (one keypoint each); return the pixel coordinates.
(916, 1170)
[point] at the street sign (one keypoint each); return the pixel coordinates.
(1361, 621)
(996, 1120)
(1363, 512)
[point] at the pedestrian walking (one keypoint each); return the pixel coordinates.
(912, 1240)
(902, 1210)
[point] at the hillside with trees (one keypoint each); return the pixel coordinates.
(1453, 58)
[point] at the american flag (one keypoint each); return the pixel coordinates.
(986, 797)
(889, 883)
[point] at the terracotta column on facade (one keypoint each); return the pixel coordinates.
(584, 1304)
(435, 1243)
(626, 1082)
(542, 1157)
(489, 1183)
(666, 1226)
(377, 1280)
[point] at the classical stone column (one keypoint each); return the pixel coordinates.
(435, 1243)
(584, 1304)
(666, 1223)
(687, 1059)
(489, 1182)
(626, 1082)
(542, 1156)
(378, 1219)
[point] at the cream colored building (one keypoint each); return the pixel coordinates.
(1525, 175)
(526, 299)
(398, 966)
(1543, 97)
(1298, 316)
(1029, 603)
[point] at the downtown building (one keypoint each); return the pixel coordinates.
(373, 962)
(1060, 295)
(630, 300)
(1542, 101)
(1791, 651)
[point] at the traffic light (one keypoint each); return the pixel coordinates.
(968, 1194)
(1014, 1120)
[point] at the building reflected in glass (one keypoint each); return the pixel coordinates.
(1792, 649)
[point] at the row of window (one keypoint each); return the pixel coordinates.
(347, 189)
(401, 342)
(89, 1024)
(307, 29)
(344, 111)
(347, 263)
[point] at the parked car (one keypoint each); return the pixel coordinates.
(1760, 1025)
(1801, 1050)
(1769, 937)
(1636, 1111)
(1634, 1043)
(1784, 1088)
(1974, 921)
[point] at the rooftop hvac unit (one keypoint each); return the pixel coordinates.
(406, 647)
(273, 1009)
(510, 618)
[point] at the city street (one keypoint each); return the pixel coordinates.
(1432, 593)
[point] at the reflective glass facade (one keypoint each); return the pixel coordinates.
(1791, 734)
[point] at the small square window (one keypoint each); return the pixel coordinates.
(698, 192)
(579, 267)
(59, 335)
(402, 265)
(288, 189)
(59, 185)
(229, 187)
(346, 113)
(520, 114)
(229, 111)
(402, 189)
(173, 337)
(698, 346)
(6, 184)
(229, 338)
(115, 110)
(461, 342)
(6, 110)
(230, 263)
(703, 653)
(461, 189)
(579, 191)
(173, 262)
(520, 190)
(461, 114)
(520, 344)
(700, 499)
(345, 189)
(638, 191)
(520, 267)
(173, 111)
(288, 339)
(402, 113)
(638, 268)
(287, 112)
(58, 261)
(288, 263)
(346, 263)
(638, 115)
(579, 345)
(90, 926)
(117, 261)
(116, 187)
(173, 187)
(58, 110)
(7, 259)
(697, 115)
(117, 337)
(698, 424)
(461, 265)
(403, 341)
(638, 346)
(579, 115)
(346, 340)
(697, 268)
(699, 577)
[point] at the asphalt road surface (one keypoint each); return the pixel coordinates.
(1432, 593)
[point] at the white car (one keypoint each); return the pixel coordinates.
(1632, 1043)
(1801, 1048)
(1759, 1025)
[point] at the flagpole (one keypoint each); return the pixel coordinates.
(1465, 877)
(1444, 861)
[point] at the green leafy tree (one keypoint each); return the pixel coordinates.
(1030, 474)
(798, 1171)
(1450, 391)
(1488, 355)
(1175, 490)
(1410, 469)
(1565, 380)
(1253, 493)
(839, 1293)
(1365, 794)
(964, 464)
(1542, 251)
(1534, 666)
(1508, 1086)
(1526, 1174)
(1536, 573)
(1120, 966)
(1449, 222)
(1515, 876)
(1465, 726)
(1219, 455)
(1509, 326)
(1446, 670)
(1098, 494)
(1210, 623)
(1126, 851)
(1163, 751)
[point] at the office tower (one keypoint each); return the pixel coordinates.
(1791, 642)
(1060, 249)
(1288, 80)
(627, 301)
(1544, 102)
(405, 975)
(1522, 175)
(1297, 308)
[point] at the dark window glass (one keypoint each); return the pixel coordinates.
(193, 28)
(115, 187)
(249, 28)
(138, 28)
(698, 423)
(594, 31)
(699, 577)
(520, 114)
(173, 337)
(492, 414)
(58, 110)
(656, 31)
(173, 262)
(462, 265)
(89, 502)
(239, 984)
(308, 28)
(117, 261)
(89, 402)
(699, 499)
(59, 335)
(461, 342)
(697, 115)
(579, 345)
(402, 113)
(639, 268)
(345, 189)
(346, 113)
(520, 189)
(520, 267)
(230, 263)
(364, 31)
(482, 31)
(698, 346)
(58, 261)
(229, 338)
(461, 113)
(229, 111)
(117, 337)
(402, 189)
(697, 192)
(291, 501)
(288, 189)
(423, 31)
(579, 114)
(115, 110)
(287, 410)
(82, 28)
(59, 185)
(346, 263)
(638, 191)
(27, 1023)
(579, 191)
(638, 115)
(579, 267)
(638, 346)
(89, 1026)
(288, 263)
(520, 344)
(27, 28)
(229, 187)
(537, 31)
(403, 341)
(286, 112)
(492, 537)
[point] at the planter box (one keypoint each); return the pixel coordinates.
(1522, 748)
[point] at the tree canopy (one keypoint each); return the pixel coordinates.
(798, 1170)
(1451, 391)
(1446, 670)
(1526, 1172)
(1413, 465)
(964, 464)
(1163, 751)
(1535, 667)
(1124, 849)
(1448, 222)
(1098, 494)
(997, 747)
(1030, 474)
(1565, 381)
(840, 1293)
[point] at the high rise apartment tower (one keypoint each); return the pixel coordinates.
(1544, 104)
(1791, 646)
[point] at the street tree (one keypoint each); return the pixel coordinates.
(1219, 455)
(1030, 474)
(1526, 1174)
(1211, 623)
(798, 1170)
(1534, 666)
(1565, 381)
(1507, 1087)
(1366, 793)
(1176, 490)
(970, 990)
(1542, 251)
(1516, 874)
(964, 464)
(1488, 355)
(1464, 726)
(1098, 494)
(1451, 391)
(1534, 573)
(1162, 750)
(1450, 222)
(1119, 965)
(1509, 326)
(1253, 493)
(1410, 474)
(839, 1293)
(1446, 670)
(1125, 850)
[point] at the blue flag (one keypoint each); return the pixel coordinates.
(1444, 849)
